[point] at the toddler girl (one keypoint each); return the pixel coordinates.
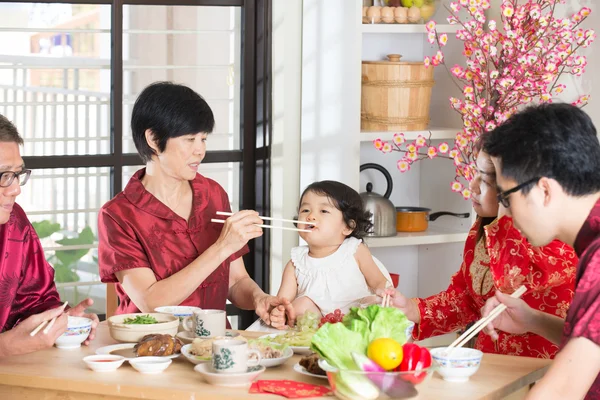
(336, 269)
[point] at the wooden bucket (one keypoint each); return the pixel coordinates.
(395, 95)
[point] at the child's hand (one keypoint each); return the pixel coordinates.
(406, 305)
(278, 317)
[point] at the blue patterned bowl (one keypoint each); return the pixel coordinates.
(78, 329)
(458, 364)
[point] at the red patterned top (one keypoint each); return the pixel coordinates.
(504, 261)
(582, 318)
(26, 279)
(136, 230)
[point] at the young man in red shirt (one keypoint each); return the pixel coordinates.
(547, 161)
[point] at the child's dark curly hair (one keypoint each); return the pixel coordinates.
(348, 201)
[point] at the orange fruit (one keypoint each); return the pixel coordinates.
(385, 352)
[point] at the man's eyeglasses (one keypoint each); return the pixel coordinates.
(503, 196)
(7, 178)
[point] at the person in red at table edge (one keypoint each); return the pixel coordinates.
(496, 256)
(28, 295)
(548, 163)
(156, 238)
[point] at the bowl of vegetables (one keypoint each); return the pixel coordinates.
(367, 355)
(131, 328)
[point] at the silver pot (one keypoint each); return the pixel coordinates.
(383, 212)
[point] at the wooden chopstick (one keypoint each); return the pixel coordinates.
(53, 320)
(385, 302)
(479, 325)
(36, 330)
(293, 221)
(222, 221)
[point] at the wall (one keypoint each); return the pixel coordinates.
(285, 153)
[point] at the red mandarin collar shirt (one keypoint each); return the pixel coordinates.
(583, 318)
(26, 279)
(136, 230)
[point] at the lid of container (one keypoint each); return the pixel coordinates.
(394, 59)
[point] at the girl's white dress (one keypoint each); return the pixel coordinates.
(334, 281)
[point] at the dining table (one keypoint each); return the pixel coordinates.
(54, 374)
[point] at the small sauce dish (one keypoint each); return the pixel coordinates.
(150, 365)
(103, 363)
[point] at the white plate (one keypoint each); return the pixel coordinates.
(124, 346)
(273, 362)
(301, 350)
(301, 370)
(188, 337)
(231, 380)
(185, 350)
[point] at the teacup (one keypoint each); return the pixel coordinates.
(206, 323)
(178, 311)
(232, 356)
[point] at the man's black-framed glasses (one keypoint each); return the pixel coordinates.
(503, 196)
(7, 178)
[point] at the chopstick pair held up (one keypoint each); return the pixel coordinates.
(50, 324)
(479, 325)
(222, 221)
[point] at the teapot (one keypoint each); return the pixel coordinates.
(383, 211)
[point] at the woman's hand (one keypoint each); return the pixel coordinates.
(239, 229)
(267, 303)
(516, 319)
(79, 311)
(406, 305)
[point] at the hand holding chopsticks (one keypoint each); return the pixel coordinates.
(479, 325)
(222, 221)
(50, 324)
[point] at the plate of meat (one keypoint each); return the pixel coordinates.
(309, 365)
(154, 345)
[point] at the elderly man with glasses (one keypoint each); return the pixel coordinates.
(28, 295)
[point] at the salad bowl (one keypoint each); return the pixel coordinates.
(365, 385)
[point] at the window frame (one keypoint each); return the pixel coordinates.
(253, 158)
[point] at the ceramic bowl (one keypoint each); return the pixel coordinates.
(352, 384)
(185, 350)
(103, 363)
(150, 365)
(131, 333)
(243, 379)
(179, 311)
(78, 329)
(457, 365)
(273, 362)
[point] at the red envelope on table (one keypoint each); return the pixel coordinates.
(289, 389)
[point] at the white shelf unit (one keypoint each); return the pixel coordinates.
(407, 28)
(425, 260)
(433, 133)
(433, 235)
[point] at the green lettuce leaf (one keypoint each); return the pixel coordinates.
(376, 322)
(335, 343)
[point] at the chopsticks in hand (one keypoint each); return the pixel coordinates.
(222, 221)
(385, 302)
(41, 325)
(479, 325)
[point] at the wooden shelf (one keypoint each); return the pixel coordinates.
(436, 134)
(407, 28)
(432, 235)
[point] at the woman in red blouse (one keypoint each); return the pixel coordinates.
(156, 241)
(496, 257)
